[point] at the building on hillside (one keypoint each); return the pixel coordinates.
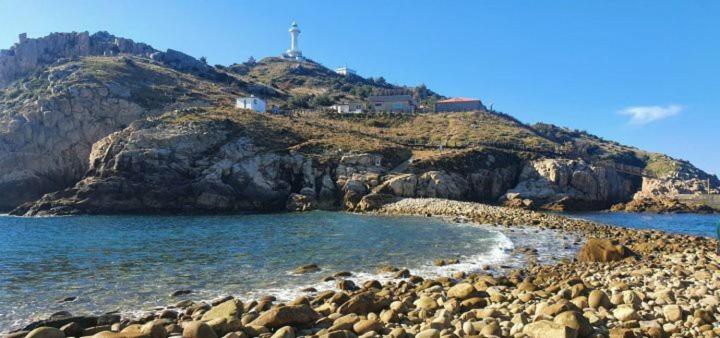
(294, 52)
(252, 103)
(355, 107)
(458, 104)
(392, 103)
(345, 71)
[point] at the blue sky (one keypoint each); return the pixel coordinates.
(644, 73)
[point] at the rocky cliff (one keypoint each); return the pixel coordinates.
(99, 124)
(561, 184)
(49, 123)
(30, 55)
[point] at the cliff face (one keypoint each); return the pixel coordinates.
(49, 124)
(572, 184)
(185, 163)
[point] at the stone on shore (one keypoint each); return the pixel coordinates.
(198, 329)
(229, 309)
(46, 332)
(602, 250)
(548, 329)
(672, 313)
(462, 291)
(307, 269)
(284, 332)
(295, 315)
(575, 320)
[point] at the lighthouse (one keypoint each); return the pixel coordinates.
(294, 52)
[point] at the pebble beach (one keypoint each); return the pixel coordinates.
(622, 283)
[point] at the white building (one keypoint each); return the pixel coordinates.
(253, 103)
(349, 108)
(345, 71)
(294, 52)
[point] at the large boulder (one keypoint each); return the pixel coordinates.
(575, 320)
(360, 304)
(46, 332)
(548, 329)
(462, 291)
(198, 329)
(293, 315)
(602, 250)
(229, 309)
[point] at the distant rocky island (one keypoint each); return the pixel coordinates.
(97, 124)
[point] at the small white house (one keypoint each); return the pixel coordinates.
(345, 71)
(348, 108)
(253, 103)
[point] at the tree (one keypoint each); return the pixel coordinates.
(203, 59)
(322, 100)
(300, 101)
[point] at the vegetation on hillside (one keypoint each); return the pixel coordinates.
(309, 85)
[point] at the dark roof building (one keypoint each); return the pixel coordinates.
(458, 104)
(392, 103)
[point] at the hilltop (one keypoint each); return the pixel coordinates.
(118, 126)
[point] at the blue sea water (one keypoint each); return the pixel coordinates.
(128, 263)
(132, 263)
(689, 224)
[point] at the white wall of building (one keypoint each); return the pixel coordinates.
(253, 103)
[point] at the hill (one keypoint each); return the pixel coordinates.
(147, 131)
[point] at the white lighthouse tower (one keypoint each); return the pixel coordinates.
(294, 52)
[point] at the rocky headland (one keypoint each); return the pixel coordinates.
(623, 283)
(93, 123)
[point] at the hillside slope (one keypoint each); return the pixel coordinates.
(142, 132)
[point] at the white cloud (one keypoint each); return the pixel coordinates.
(642, 115)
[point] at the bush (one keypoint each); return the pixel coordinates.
(299, 101)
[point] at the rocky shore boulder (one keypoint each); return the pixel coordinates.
(293, 315)
(603, 250)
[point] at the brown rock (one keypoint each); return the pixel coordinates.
(462, 291)
(576, 321)
(293, 315)
(598, 298)
(367, 325)
(360, 304)
(602, 250)
(548, 329)
(229, 309)
(46, 332)
(284, 332)
(198, 329)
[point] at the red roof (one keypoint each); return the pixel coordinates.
(457, 99)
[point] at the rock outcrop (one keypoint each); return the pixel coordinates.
(32, 54)
(29, 55)
(45, 141)
(49, 125)
(572, 184)
(153, 166)
(669, 187)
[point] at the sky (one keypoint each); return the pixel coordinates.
(643, 73)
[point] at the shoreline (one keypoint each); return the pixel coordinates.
(532, 290)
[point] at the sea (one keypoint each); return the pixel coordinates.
(132, 264)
